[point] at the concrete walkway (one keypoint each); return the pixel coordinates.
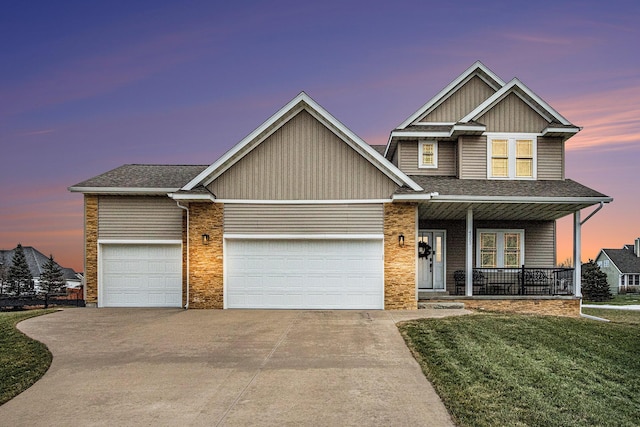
(613, 307)
(213, 367)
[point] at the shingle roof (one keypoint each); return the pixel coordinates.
(626, 261)
(144, 176)
(35, 260)
(379, 148)
(452, 186)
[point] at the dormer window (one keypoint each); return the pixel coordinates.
(428, 154)
(511, 156)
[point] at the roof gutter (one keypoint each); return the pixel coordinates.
(587, 316)
(592, 213)
(500, 199)
(186, 306)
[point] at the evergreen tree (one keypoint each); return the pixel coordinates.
(19, 277)
(4, 269)
(52, 280)
(594, 283)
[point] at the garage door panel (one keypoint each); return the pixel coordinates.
(304, 274)
(141, 275)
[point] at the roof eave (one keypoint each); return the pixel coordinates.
(192, 197)
(121, 190)
(435, 197)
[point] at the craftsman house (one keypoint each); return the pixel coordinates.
(302, 213)
(622, 267)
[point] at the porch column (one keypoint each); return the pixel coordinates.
(577, 263)
(469, 255)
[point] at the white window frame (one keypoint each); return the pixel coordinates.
(435, 155)
(500, 232)
(511, 148)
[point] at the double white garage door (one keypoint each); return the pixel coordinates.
(292, 274)
(315, 274)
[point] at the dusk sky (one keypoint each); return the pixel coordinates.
(88, 86)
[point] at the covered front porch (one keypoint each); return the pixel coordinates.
(496, 246)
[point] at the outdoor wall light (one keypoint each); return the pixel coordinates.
(205, 239)
(401, 240)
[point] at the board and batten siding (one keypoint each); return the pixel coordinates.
(304, 219)
(303, 160)
(461, 103)
(550, 158)
(512, 114)
(473, 157)
(139, 218)
(408, 159)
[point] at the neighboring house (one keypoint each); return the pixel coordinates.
(36, 261)
(302, 213)
(622, 267)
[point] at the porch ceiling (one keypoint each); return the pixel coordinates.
(539, 211)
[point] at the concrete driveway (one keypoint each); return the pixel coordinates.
(232, 367)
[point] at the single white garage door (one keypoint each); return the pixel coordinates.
(306, 274)
(141, 276)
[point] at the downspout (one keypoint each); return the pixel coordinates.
(186, 306)
(576, 262)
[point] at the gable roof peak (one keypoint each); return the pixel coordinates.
(301, 102)
(476, 69)
(527, 95)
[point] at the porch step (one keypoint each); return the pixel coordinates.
(441, 305)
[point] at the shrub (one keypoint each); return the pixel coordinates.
(594, 283)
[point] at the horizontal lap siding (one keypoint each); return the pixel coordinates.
(473, 157)
(303, 219)
(303, 160)
(141, 218)
(408, 159)
(550, 158)
(462, 102)
(539, 241)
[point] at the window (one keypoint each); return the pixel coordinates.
(511, 156)
(428, 154)
(631, 279)
(500, 248)
(605, 263)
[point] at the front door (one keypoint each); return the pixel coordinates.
(431, 250)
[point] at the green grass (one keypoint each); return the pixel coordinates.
(511, 370)
(630, 317)
(23, 361)
(628, 299)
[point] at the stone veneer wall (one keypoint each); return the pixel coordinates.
(206, 261)
(565, 307)
(91, 249)
(400, 262)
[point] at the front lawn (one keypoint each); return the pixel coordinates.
(22, 360)
(631, 317)
(516, 370)
(626, 299)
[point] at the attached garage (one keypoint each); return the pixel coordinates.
(141, 275)
(304, 274)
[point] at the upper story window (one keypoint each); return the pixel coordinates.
(511, 156)
(428, 154)
(500, 248)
